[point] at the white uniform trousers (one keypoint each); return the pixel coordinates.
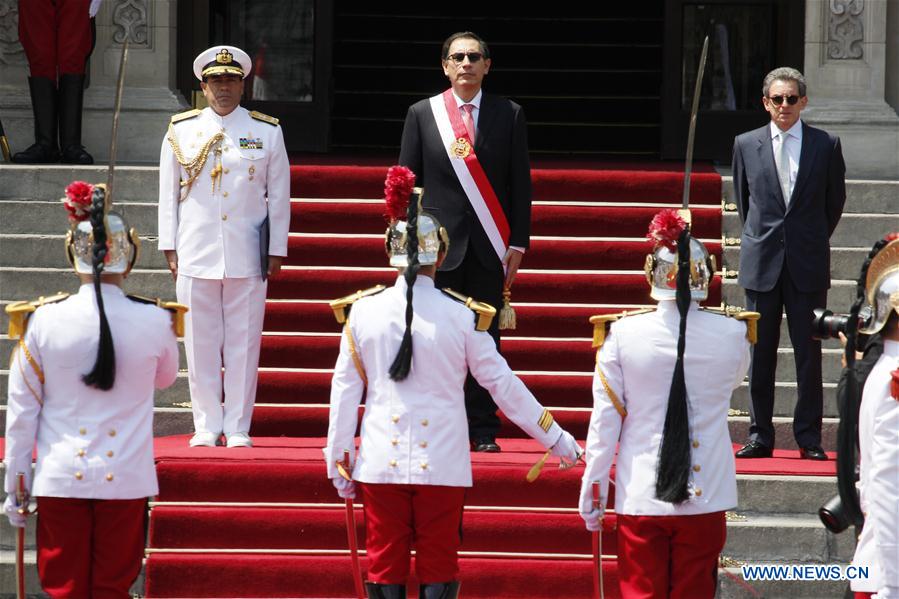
(222, 329)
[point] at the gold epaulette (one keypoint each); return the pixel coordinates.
(19, 312)
(484, 313)
(601, 323)
(187, 114)
(736, 312)
(177, 310)
(341, 307)
(264, 117)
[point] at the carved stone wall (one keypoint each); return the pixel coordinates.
(846, 30)
(11, 52)
(131, 20)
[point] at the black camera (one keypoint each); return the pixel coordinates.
(833, 516)
(827, 325)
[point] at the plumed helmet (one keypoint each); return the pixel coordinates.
(881, 288)
(122, 241)
(661, 264)
(399, 192)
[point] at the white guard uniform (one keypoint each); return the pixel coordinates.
(638, 360)
(878, 433)
(215, 230)
(91, 444)
(415, 431)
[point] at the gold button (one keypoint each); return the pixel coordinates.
(78, 476)
(225, 193)
(424, 422)
(109, 476)
(393, 463)
(395, 418)
(251, 177)
(697, 468)
(699, 492)
(423, 444)
(109, 453)
(226, 172)
(81, 453)
(112, 432)
(695, 443)
(224, 217)
(82, 431)
(394, 441)
(424, 465)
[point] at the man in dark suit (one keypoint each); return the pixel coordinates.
(480, 262)
(790, 190)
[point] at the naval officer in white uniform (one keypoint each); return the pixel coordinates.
(675, 457)
(223, 174)
(86, 401)
(408, 350)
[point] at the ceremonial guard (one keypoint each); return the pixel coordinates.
(407, 349)
(86, 401)
(878, 433)
(674, 451)
(224, 213)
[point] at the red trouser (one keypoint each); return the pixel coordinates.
(56, 35)
(400, 516)
(89, 548)
(670, 556)
(863, 595)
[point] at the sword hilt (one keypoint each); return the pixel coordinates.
(21, 494)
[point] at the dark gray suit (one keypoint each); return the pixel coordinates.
(785, 264)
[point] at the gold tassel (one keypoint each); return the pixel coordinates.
(507, 313)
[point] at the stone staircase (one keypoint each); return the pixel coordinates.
(775, 522)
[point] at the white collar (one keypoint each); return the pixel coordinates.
(105, 288)
(794, 131)
(891, 348)
(226, 120)
(476, 101)
(420, 281)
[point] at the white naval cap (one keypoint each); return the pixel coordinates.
(222, 60)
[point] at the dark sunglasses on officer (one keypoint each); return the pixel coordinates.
(459, 57)
(779, 100)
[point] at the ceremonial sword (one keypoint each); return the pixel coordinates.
(4, 145)
(120, 85)
(21, 498)
(343, 468)
(694, 110)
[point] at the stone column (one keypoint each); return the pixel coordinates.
(845, 67)
(148, 99)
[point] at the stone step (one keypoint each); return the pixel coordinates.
(48, 251)
(862, 196)
(839, 297)
(732, 586)
(47, 217)
(853, 230)
(48, 182)
(791, 538)
(845, 262)
(34, 282)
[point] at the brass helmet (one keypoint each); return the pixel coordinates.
(881, 288)
(661, 265)
(122, 241)
(404, 202)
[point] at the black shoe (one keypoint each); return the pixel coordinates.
(754, 449)
(439, 590)
(485, 445)
(385, 591)
(43, 104)
(71, 101)
(812, 453)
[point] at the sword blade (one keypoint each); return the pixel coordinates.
(4, 144)
(354, 549)
(598, 591)
(120, 85)
(688, 167)
(21, 498)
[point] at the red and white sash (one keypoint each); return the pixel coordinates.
(470, 172)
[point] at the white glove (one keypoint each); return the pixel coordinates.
(345, 488)
(11, 509)
(592, 515)
(567, 450)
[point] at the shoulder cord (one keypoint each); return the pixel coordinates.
(195, 165)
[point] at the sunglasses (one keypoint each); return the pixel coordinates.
(473, 57)
(778, 100)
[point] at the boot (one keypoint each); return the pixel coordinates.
(385, 591)
(439, 590)
(71, 100)
(43, 103)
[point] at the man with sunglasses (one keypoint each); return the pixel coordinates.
(789, 183)
(469, 150)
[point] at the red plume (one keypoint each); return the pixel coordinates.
(665, 228)
(894, 384)
(78, 200)
(397, 188)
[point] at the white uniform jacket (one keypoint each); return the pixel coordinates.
(878, 433)
(415, 431)
(90, 443)
(216, 231)
(637, 360)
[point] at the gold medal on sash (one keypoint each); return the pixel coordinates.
(460, 148)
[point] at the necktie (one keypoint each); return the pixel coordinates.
(467, 120)
(783, 166)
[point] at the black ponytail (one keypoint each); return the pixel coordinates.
(402, 364)
(103, 374)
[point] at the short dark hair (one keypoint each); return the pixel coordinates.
(784, 74)
(444, 53)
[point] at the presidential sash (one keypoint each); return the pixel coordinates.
(469, 171)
